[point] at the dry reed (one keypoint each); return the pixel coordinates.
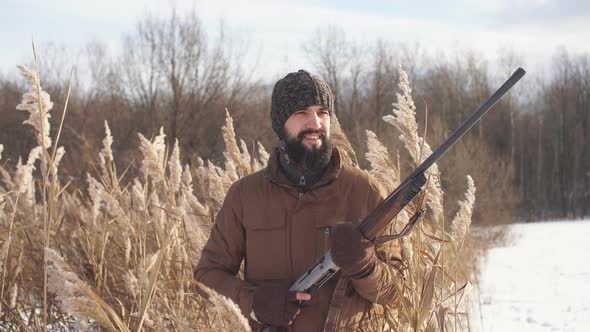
(433, 290)
(120, 254)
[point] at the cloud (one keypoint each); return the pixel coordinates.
(516, 12)
(534, 28)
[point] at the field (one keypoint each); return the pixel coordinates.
(117, 252)
(538, 281)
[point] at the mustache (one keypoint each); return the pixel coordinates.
(311, 131)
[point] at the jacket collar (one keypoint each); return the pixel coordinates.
(275, 174)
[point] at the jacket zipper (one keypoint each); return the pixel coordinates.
(299, 194)
(326, 237)
(288, 240)
(290, 234)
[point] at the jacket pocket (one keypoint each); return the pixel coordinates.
(323, 227)
(266, 247)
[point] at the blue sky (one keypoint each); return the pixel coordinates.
(275, 30)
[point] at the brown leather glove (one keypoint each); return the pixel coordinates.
(275, 305)
(351, 251)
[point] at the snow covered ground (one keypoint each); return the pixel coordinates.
(539, 282)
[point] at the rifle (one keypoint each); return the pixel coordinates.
(393, 204)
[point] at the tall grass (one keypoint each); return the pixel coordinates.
(118, 254)
(432, 294)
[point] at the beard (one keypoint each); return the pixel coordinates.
(309, 158)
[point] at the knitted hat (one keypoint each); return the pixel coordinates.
(295, 92)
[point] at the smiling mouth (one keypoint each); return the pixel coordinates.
(312, 137)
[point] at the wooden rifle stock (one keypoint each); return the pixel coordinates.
(379, 218)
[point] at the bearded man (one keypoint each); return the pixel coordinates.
(281, 220)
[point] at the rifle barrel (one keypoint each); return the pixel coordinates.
(469, 122)
(396, 201)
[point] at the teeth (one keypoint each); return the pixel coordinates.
(312, 136)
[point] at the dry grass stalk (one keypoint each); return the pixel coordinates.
(462, 220)
(237, 164)
(404, 119)
(76, 297)
(106, 153)
(13, 296)
(51, 188)
(38, 103)
(106, 159)
(154, 154)
(430, 252)
(227, 308)
(4, 257)
(175, 169)
(341, 141)
(383, 169)
(262, 156)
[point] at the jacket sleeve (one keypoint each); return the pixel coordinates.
(223, 254)
(382, 284)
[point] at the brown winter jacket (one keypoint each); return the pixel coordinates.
(280, 232)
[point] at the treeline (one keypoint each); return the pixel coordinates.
(529, 157)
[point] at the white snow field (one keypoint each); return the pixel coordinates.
(539, 282)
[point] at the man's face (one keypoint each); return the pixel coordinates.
(306, 134)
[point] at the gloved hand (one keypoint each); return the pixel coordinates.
(354, 254)
(275, 305)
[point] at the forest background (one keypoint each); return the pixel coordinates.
(530, 157)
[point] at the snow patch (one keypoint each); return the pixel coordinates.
(539, 282)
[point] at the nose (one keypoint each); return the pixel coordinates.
(313, 122)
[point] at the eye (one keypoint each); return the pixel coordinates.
(324, 112)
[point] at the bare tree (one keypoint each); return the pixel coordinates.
(328, 51)
(177, 73)
(141, 70)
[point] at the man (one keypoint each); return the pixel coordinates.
(280, 220)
